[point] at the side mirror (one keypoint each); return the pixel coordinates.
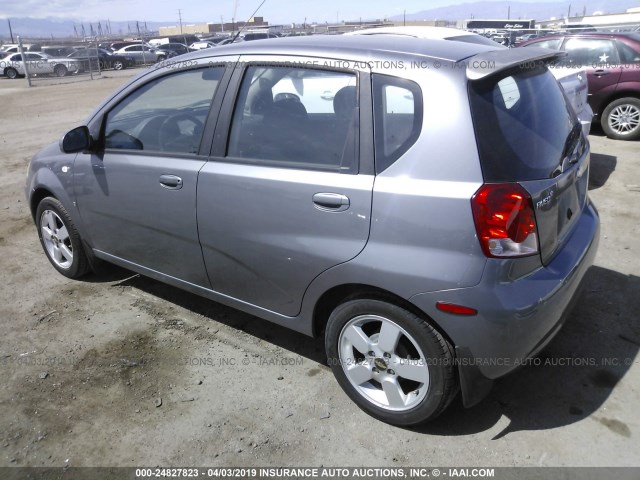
(76, 140)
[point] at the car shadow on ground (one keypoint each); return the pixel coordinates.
(573, 377)
(602, 166)
(568, 382)
(310, 348)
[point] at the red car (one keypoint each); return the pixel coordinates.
(612, 61)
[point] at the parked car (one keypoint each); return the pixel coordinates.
(612, 62)
(37, 64)
(433, 224)
(173, 49)
(431, 33)
(15, 48)
(250, 36)
(142, 54)
(229, 40)
(106, 46)
(215, 40)
(106, 59)
(527, 36)
(122, 43)
(202, 45)
(58, 51)
(573, 80)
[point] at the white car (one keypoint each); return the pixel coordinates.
(573, 80)
(38, 64)
(142, 54)
(201, 45)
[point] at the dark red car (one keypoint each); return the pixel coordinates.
(612, 61)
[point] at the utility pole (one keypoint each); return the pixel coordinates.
(10, 31)
(404, 18)
(569, 13)
(184, 39)
(235, 13)
(509, 12)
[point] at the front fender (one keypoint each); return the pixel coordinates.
(52, 171)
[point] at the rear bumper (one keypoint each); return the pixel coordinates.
(586, 118)
(516, 317)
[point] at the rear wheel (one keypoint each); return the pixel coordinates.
(60, 239)
(621, 119)
(60, 70)
(391, 363)
(11, 73)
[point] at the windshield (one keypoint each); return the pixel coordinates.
(523, 125)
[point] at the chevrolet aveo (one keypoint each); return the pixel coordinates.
(415, 203)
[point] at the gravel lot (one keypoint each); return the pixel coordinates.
(120, 370)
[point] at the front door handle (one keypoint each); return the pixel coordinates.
(331, 202)
(171, 182)
(601, 73)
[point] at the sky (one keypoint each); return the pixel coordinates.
(274, 11)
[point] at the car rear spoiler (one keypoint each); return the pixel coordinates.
(491, 63)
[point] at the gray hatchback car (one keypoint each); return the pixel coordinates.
(422, 204)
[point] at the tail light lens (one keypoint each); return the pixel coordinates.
(505, 220)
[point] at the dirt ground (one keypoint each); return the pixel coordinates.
(120, 370)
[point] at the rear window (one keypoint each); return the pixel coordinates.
(522, 124)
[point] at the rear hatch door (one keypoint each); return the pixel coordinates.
(527, 133)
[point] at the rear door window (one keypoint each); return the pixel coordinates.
(297, 118)
(397, 105)
(591, 52)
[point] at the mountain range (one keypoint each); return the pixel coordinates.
(520, 10)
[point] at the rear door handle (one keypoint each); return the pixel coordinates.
(601, 73)
(331, 202)
(171, 182)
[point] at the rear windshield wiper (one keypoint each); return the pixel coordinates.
(570, 142)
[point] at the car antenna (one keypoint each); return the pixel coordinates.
(245, 23)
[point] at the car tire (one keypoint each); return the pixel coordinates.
(405, 375)
(11, 73)
(621, 119)
(60, 239)
(60, 70)
(118, 65)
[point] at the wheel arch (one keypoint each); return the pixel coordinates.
(37, 196)
(617, 95)
(333, 297)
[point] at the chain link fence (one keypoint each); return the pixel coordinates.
(66, 64)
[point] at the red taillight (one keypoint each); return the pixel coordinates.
(505, 221)
(456, 309)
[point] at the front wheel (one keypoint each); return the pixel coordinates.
(621, 119)
(60, 239)
(390, 362)
(118, 65)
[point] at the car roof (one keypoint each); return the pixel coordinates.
(354, 46)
